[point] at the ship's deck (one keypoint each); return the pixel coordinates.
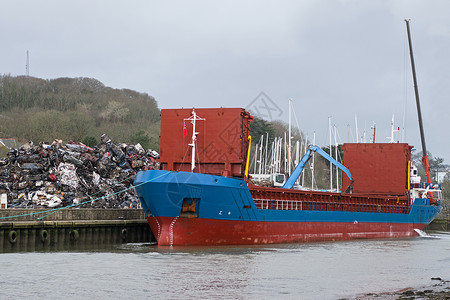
(281, 199)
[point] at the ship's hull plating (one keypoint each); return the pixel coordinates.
(187, 232)
(224, 213)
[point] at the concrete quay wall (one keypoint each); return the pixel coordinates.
(439, 225)
(13, 215)
(71, 229)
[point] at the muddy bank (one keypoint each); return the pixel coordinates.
(438, 289)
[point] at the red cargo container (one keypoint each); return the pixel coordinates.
(221, 146)
(379, 168)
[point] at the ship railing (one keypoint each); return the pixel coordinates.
(426, 193)
(430, 186)
(269, 204)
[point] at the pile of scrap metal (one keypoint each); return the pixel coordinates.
(73, 174)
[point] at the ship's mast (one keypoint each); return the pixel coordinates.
(416, 92)
(374, 127)
(193, 118)
(391, 138)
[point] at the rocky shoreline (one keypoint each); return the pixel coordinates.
(439, 289)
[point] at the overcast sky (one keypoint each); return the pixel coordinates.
(333, 58)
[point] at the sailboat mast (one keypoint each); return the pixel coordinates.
(312, 163)
(267, 152)
(261, 155)
(331, 154)
(336, 157)
(290, 136)
(419, 113)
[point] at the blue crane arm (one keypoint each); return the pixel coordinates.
(301, 165)
(297, 171)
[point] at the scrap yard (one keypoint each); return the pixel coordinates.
(52, 175)
(68, 195)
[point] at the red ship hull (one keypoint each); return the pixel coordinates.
(182, 231)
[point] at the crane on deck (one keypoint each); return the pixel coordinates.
(301, 165)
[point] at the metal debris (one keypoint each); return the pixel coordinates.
(57, 174)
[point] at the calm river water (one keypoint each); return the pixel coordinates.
(330, 270)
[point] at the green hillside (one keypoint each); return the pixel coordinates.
(79, 109)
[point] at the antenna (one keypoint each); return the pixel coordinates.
(27, 66)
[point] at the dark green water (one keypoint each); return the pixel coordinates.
(299, 271)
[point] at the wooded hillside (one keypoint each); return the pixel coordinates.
(79, 109)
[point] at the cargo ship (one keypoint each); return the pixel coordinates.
(203, 194)
(209, 200)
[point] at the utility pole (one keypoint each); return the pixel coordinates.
(27, 66)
